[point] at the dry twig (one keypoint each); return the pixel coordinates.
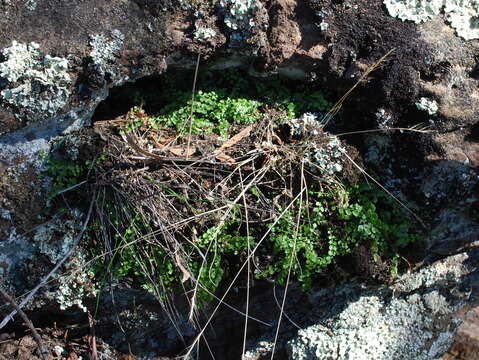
(41, 348)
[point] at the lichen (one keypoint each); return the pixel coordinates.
(105, 49)
(47, 240)
(414, 10)
(323, 25)
(73, 289)
(329, 157)
(326, 158)
(428, 105)
(31, 4)
(203, 33)
(239, 16)
(37, 86)
(383, 118)
(373, 328)
(54, 240)
(463, 15)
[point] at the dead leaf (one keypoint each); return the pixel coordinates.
(234, 140)
(226, 159)
(186, 273)
(181, 151)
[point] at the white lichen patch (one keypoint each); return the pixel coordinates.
(372, 329)
(74, 285)
(105, 49)
(414, 10)
(463, 15)
(239, 15)
(19, 58)
(307, 125)
(31, 4)
(37, 86)
(325, 158)
(52, 245)
(204, 33)
(383, 118)
(428, 105)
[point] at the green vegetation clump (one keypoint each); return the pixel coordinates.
(327, 230)
(210, 113)
(224, 98)
(159, 222)
(310, 236)
(64, 174)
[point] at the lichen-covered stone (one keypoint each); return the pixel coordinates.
(414, 318)
(463, 15)
(105, 48)
(48, 242)
(414, 10)
(37, 86)
(239, 16)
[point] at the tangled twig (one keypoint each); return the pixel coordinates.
(41, 348)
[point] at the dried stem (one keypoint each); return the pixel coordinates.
(41, 348)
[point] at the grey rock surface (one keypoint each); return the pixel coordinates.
(414, 318)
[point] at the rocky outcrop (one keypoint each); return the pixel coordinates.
(414, 318)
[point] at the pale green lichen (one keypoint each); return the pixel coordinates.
(54, 240)
(73, 289)
(203, 33)
(105, 49)
(414, 10)
(463, 15)
(239, 16)
(49, 243)
(31, 4)
(327, 158)
(37, 86)
(428, 105)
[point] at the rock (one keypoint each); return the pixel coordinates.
(415, 318)
(466, 341)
